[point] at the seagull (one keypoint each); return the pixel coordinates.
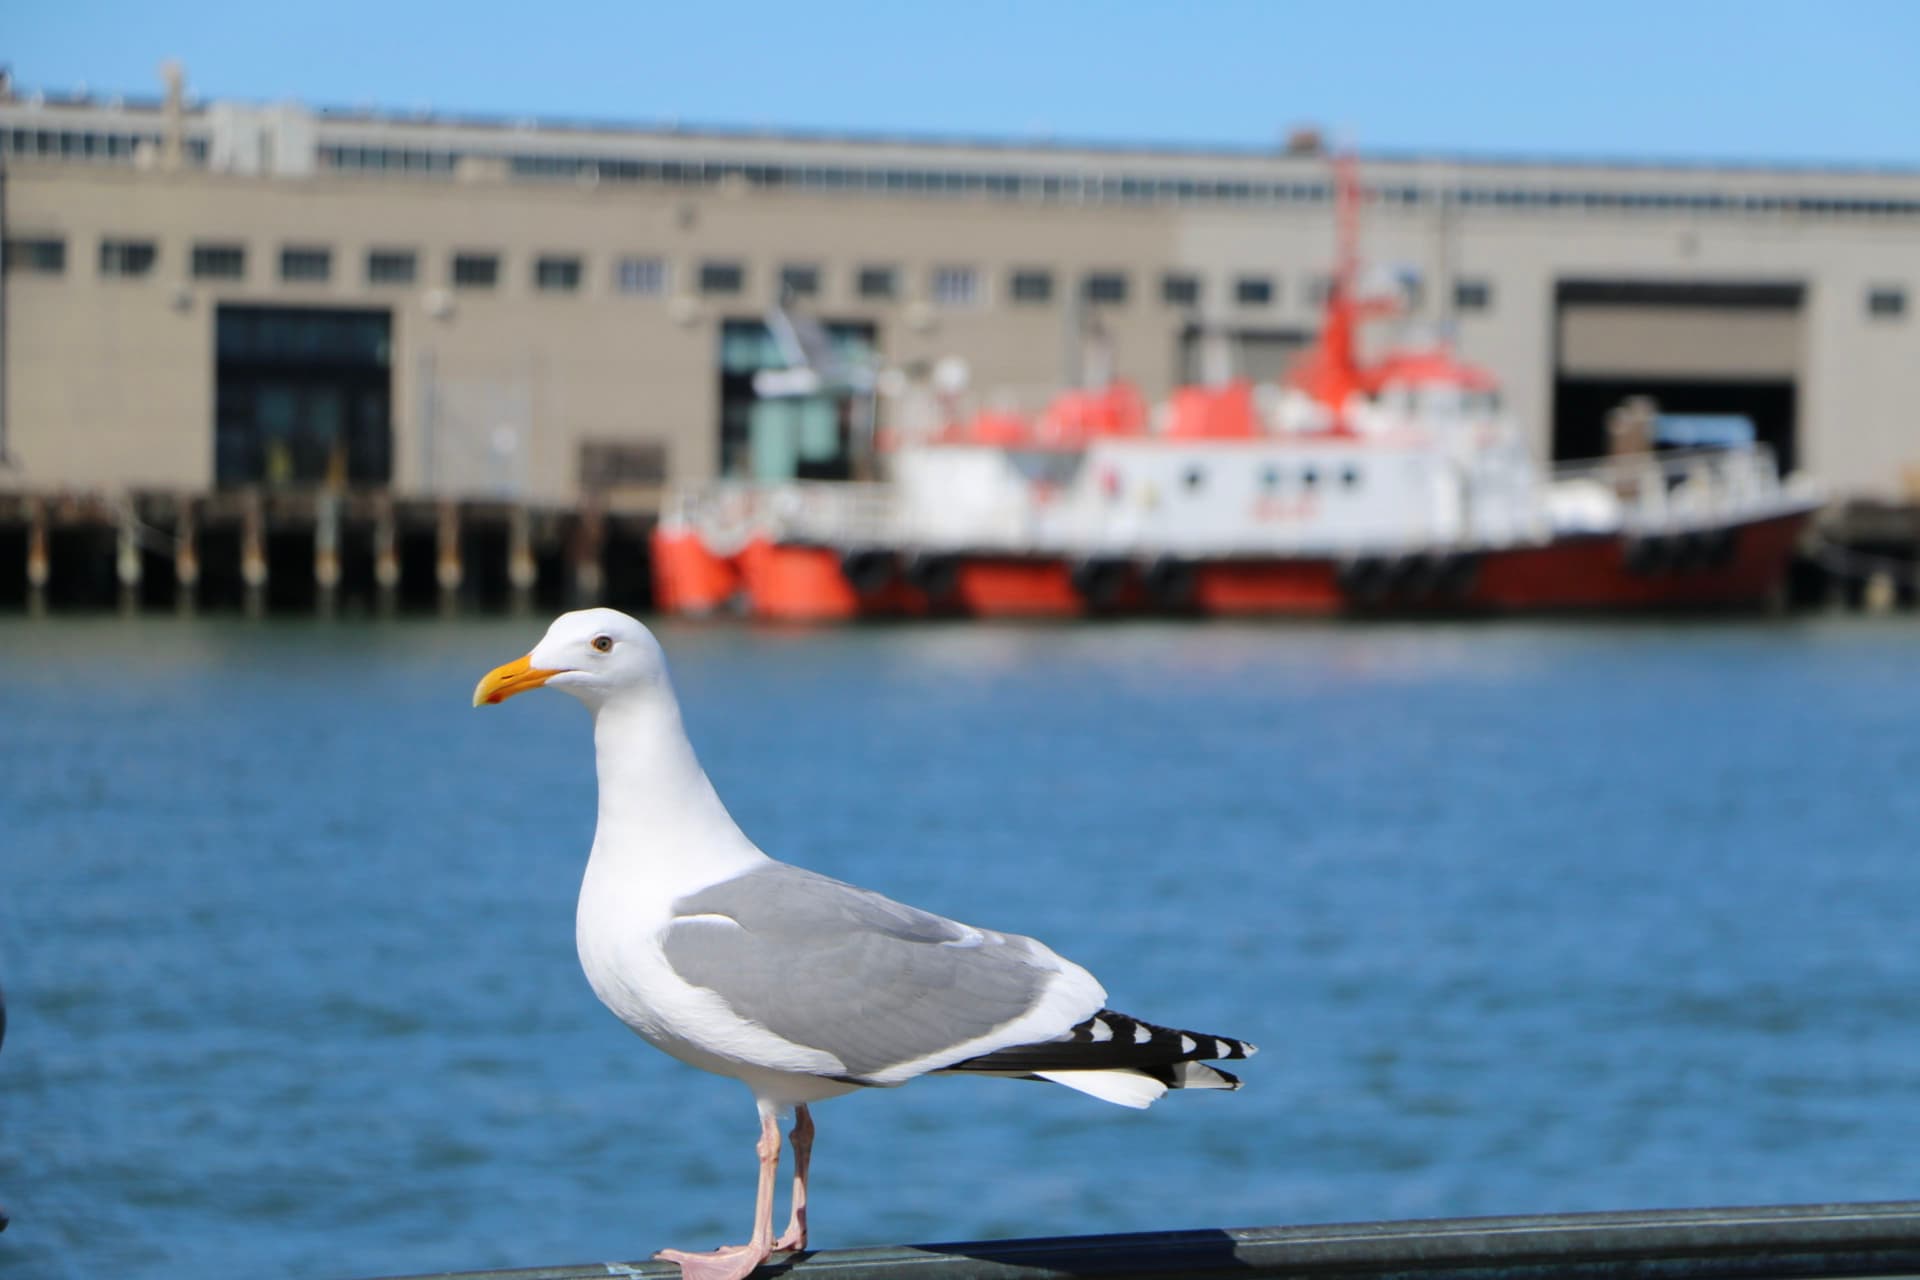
(801, 987)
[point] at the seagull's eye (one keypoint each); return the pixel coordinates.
(603, 644)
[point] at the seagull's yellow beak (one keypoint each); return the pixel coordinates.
(502, 683)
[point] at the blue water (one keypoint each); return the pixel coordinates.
(1526, 918)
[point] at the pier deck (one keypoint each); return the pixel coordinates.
(315, 550)
(1676, 1244)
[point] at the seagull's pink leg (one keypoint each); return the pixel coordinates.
(795, 1236)
(737, 1261)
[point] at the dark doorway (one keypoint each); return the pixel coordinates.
(303, 397)
(1581, 405)
(1710, 347)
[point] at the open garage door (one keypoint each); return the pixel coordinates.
(1696, 348)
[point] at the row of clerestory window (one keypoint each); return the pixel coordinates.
(649, 275)
(1083, 187)
(134, 257)
(124, 146)
(947, 285)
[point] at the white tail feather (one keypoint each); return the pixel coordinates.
(1126, 1088)
(1198, 1075)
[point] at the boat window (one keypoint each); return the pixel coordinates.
(1310, 477)
(1350, 477)
(1195, 478)
(1270, 479)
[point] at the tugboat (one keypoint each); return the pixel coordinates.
(1397, 485)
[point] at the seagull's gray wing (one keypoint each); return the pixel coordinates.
(888, 990)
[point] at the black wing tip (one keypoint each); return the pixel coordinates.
(1110, 1040)
(1194, 1046)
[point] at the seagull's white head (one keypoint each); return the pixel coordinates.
(593, 654)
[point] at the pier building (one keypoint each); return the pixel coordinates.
(206, 298)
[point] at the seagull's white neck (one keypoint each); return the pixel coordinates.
(660, 818)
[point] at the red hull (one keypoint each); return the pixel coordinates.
(1730, 568)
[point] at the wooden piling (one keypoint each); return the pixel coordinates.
(90, 550)
(39, 568)
(448, 571)
(186, 556)
(522, 572)
(127, 561)
(1880, 592)
(326, 552)
(588, 577)
(253, 554)
(386, 558)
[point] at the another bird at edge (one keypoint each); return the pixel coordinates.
(800, 986)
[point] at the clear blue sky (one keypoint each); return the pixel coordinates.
(1763, 80)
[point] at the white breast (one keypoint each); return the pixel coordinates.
(617, 929)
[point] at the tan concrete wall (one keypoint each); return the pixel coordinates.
(109, 381)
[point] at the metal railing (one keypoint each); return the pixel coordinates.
(1852, 1240)
(834, 513)
(1683, 489)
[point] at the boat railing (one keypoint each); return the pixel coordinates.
(1646, 494)
(1681, 489)
(731, 513)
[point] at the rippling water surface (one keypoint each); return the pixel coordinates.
(1526, 918)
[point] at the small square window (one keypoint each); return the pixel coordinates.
(37, 255)
(127, 258)
(1253, 291)
(1472, 295)
(219, 262)
(956, 286)
(722, 277)
(799, 280)
(305, 263)
(476, 270)
(878, 283)
(1180, 289)
(391, 266)
(1109, 287)
(642, 276)
(1031, 286)
(1886, 302)
(556, 273)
